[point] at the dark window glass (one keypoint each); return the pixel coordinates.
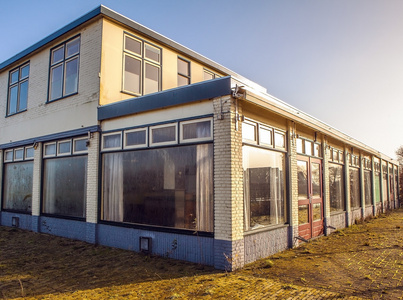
(183, 72)
(80, 145)
(355, 195)
(197, 130)
(112, 141)
(133, 45)
(264, 193)
(152, 79)
(64, 70)
(368, 188)
(17, 191)
(132, 81)
(18, 90)
(377, 188)
(163, 134)
(135, 138)
(64, 147)
(152, 53)
(302, 169)
(315, 180)
(64, 186)
(336, 187)
(171, 187)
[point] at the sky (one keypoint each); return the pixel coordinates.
(340, 61)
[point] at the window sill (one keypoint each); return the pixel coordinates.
(159, 228)
(264, 229)
(17, 113)
(57, 99)
(15, 211)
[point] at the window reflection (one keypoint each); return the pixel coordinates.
(336, 187)
(302, 167)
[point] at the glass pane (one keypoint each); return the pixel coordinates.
(265, 137)
(163, 134)
(19, 154)
(368, 188)
(264, 192)
(72, 47)
(24, 71)
(302, 167)
(71, 84)
(50, 149)
(303, 214)
(64, 186)
(315, 179)
(17, 193)
(152, 53)
(182, 80)
(355, 195)
(152, 78)
(133, 45)
(112, 141)
(14, 77)
(57, 55)
(308, 148)
(317, 211)
(64, 147)
(316, 148)
(183, 67)
(23, 96)
(279, 140)
(132, 75)
(336, 187)
(208, 75)
(13, 100)
(56, 82)
(80, 145)
(135, 138)
(377, 188)
(196, 130)
(335, 155)
(300, 147)
(249, 131)
(29, 152)
(170, 187)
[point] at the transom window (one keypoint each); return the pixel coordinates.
(261, 134)
(18, 89)
(142, 66)
(189, 131)
(18, 154)
(183, 72)
(336, 155)
(65, 147)
(64, 66)
(307, 147)
(354, 160)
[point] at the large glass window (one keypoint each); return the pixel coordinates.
(18, 89)
(17, 180)
(142, 66)
(170, 187)
(264, 182)
(336, 187)
(368, 187)
(64, 178)
(355, 195)
(377, 187)
(64, 66)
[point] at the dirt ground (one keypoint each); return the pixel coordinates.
(365, 260)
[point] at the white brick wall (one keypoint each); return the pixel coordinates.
(92, 179)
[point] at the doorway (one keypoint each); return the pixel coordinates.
(310, 197)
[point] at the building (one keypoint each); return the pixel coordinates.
(116, 135)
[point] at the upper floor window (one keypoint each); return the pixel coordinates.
(18, 89)
(64, 62)
(209, 74)
(142, 66)
(183, 72)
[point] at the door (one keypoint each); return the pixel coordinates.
(310, 199)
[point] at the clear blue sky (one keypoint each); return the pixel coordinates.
(338, 60)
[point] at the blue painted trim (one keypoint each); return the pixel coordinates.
(54, 136)
(177, 96)
(53, 36)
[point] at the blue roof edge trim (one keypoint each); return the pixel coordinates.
(88, 16)
(177, 96)
(54, 136)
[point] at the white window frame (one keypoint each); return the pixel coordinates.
(74, 143)
(255, 124)
(125, 146)
(274, 139)
(266, 128)
(25, 153)
(58, 147)
(5, 155)
(113, 148)
(15, 156)
(44, 149)
(173, 142)
(183, 140)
